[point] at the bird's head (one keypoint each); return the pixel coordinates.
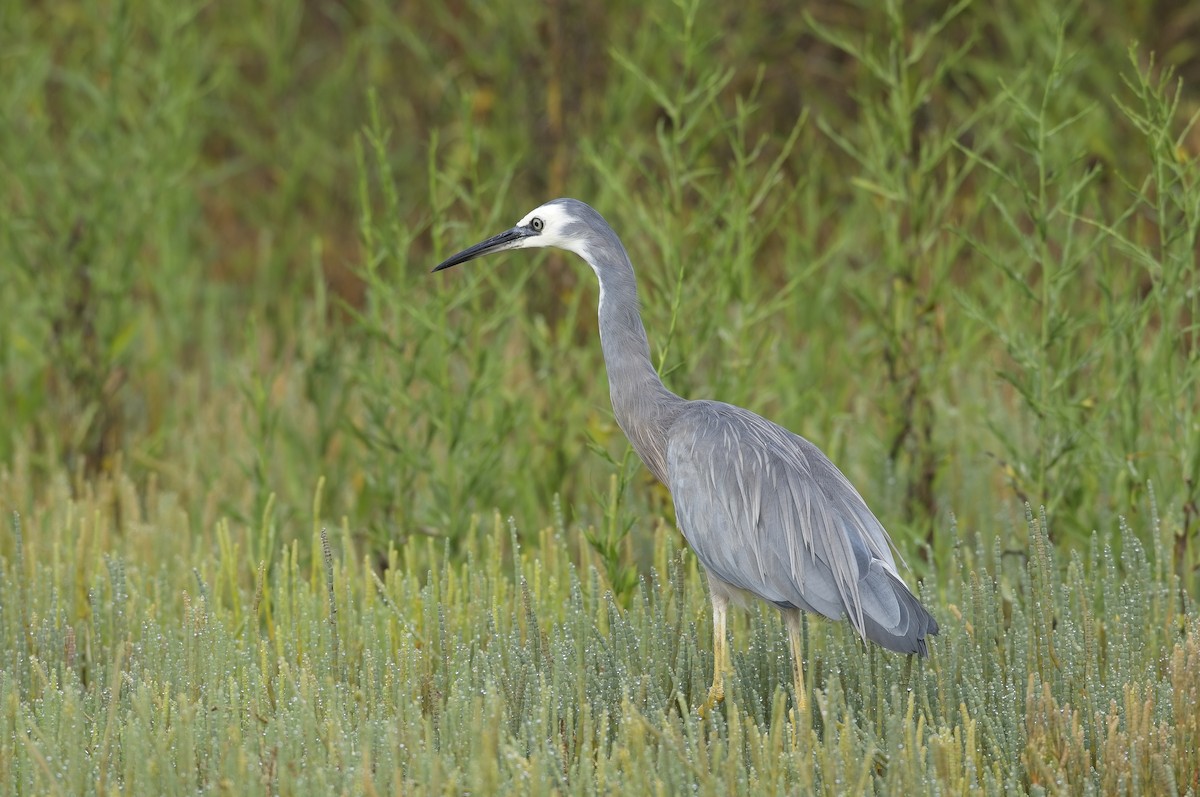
(563, 223)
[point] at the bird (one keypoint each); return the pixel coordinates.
(765, 512)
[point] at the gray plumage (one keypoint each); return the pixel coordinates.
(766, 513)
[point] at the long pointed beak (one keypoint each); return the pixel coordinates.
(497, 243)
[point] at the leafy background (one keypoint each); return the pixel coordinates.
(956, 247)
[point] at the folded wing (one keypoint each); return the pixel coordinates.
(765, 511)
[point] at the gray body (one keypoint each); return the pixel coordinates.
(766, 513)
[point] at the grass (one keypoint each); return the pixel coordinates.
(955, 247)
(506, 668)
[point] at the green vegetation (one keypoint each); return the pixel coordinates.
(283, 513)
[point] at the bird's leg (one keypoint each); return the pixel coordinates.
(716, 693)
(794, 622)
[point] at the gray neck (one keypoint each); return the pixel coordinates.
(644, 408)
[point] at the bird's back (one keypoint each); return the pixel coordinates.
(766, 512)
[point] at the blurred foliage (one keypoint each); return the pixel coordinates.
(951, 245)
(954, 245)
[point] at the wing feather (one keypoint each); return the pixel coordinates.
(766, 512)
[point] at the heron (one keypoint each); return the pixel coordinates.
(766, 513)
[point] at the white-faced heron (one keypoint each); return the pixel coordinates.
(766, 513)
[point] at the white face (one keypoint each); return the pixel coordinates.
(554, 222)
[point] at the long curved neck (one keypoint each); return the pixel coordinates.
(643, 406)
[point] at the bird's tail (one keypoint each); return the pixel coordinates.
(907, 633)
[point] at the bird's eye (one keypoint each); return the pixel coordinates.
(536, 224)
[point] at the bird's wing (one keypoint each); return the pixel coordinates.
(767, 512)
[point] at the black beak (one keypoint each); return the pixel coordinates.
(497, 243)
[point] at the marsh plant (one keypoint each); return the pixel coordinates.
(284, 514)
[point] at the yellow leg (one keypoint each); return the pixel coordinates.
(716, 693)
(796, 642)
